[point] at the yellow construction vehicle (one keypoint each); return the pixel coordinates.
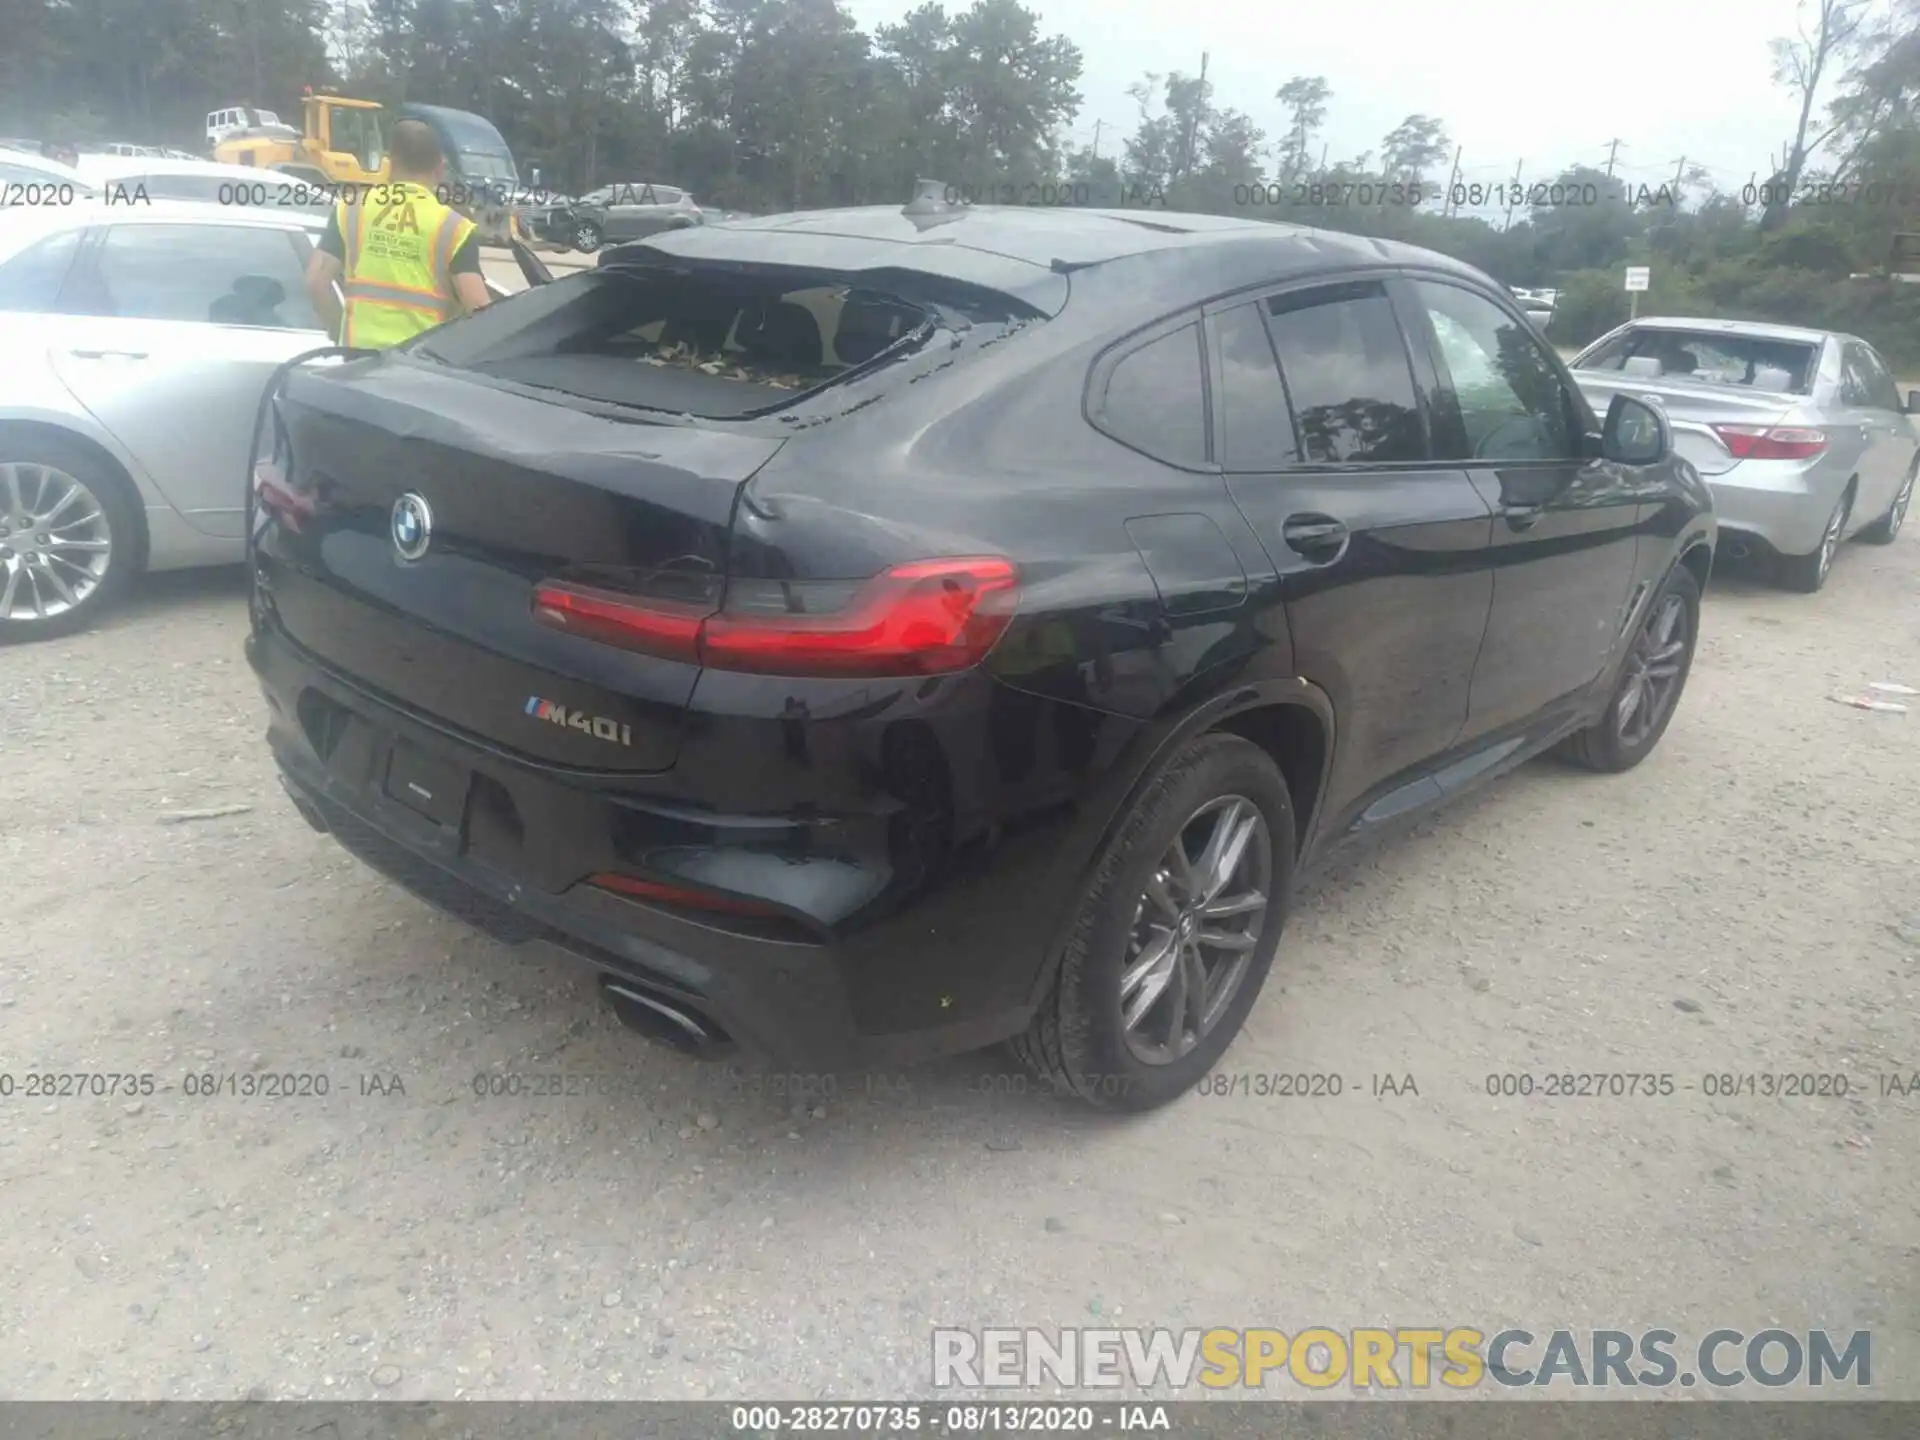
(344, 141)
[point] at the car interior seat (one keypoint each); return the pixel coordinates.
(865, 330)
(783, 335)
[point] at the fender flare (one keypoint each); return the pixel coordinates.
(1165, 741)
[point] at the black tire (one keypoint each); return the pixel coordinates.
(118, 510)
(587, 237)
(1604, 746)
(1886, 529)
(1077, 1040)
(1808, 573)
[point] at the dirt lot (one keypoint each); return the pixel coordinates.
(1746, 902)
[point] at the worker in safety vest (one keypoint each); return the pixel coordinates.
(404, 261)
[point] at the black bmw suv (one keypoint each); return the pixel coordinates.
(871, 634)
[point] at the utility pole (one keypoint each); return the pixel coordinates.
(1096, 138)
(1513, 192)
(1679, 179)
(1453, 179)
(1193, 121)
(1613, 149)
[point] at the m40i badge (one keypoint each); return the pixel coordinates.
(598, 726)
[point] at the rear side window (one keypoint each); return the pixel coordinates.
(30, 281)
(1256, 423)
(1155, 401)
(1346, 368)
(1886, 393)
(214, 274)
(1865, 381)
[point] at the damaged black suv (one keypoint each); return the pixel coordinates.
(871, 634)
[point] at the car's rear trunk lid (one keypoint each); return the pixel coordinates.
(1692, 409)
(516, 491)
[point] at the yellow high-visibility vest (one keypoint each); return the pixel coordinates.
(400, 242)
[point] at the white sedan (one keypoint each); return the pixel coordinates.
(29, 178)
(135, 345)
(160, 177)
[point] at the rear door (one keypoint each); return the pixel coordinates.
(1382, 551)
(1873, 400)
(1564, 530)
(168, 335)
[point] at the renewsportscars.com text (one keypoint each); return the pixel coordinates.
(1414, 1358)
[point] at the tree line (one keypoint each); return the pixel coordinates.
(779, 104)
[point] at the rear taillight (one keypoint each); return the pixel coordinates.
(930, 617)
(1771, 442)
(653, 627)
(276, 496)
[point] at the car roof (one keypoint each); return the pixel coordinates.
(1753, 329)
(21, 225)
(120, 167)
(1013, 248)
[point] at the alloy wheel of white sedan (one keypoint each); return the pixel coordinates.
(57, 546)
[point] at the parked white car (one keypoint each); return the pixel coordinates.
(135, 344)
(27, 178)
(159, 178)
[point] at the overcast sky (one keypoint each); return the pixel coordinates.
(1542, 82)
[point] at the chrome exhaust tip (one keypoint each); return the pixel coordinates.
(663, 1022)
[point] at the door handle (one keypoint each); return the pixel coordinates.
(108, 354)
(1319, 538)
(1520, 517)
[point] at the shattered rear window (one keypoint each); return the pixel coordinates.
(719, 346)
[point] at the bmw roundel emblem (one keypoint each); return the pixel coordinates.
(412, 525)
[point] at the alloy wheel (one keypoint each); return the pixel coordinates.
(55, 542)
(1898, 515)
(1652, 678)
(1195, 929)
(1830, 540)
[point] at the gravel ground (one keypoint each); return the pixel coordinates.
(1745, 902)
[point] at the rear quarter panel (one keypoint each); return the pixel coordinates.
(1030, 759)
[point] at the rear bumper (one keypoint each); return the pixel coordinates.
(938, 972)
(1781, 504)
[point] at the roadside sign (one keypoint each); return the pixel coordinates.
(1639, 277)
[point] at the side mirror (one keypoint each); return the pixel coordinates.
(1635, 433)
(1913, 402)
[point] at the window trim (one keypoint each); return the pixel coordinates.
(1418, 371)
(85, 269)
(1094, 395)
(1217, 380)
(1581, 425)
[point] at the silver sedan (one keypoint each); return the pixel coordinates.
(1802, 435)
(135, 344)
